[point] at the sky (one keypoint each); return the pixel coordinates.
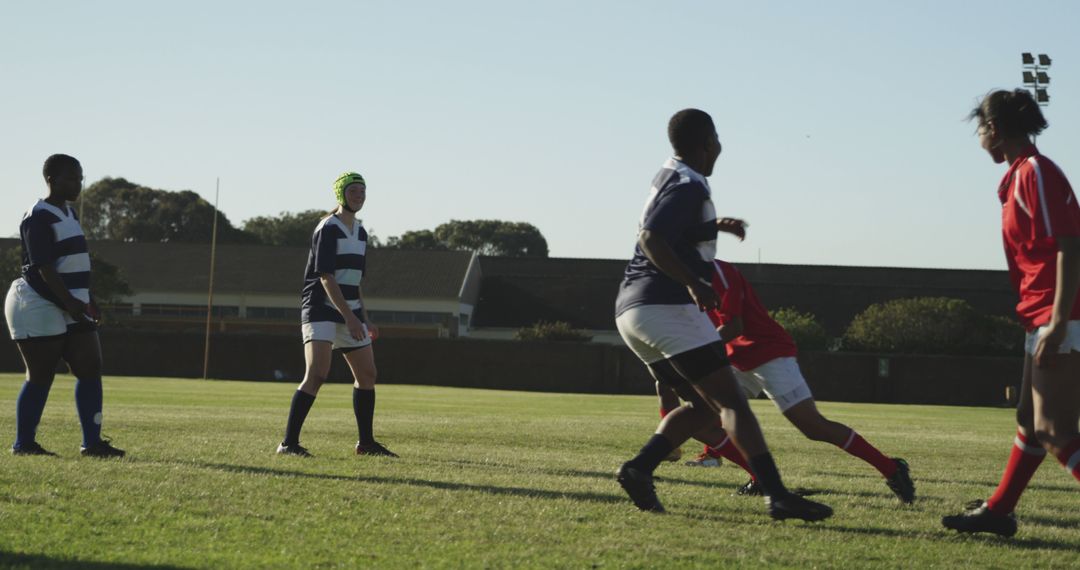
(842, 122)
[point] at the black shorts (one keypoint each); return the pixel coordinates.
(691, 366)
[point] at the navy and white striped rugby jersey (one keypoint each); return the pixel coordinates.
(52, 237)
(679, 209)
(340, 251)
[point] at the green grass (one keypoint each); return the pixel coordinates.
(488, 479)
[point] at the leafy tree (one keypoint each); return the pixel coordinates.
(10, 266)
(115, 209)
(287, 229)
(556, 331)
(804, 328)
(486, 237)
(931, 325)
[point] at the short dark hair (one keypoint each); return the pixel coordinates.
(1014, 113)
(58, 164)
(689, 130)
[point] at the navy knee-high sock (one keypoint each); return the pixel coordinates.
(298, 411)
(28, 410)
(363, 402)
(88, 402)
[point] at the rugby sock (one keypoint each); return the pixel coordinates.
(656, 449)
(88, 399)
(665, 411)
(767, 475)
(28, 410)
(728, 451)
(1023, 461)
(363, 404)
(862, 449)
(298, 411)
(1070, 457)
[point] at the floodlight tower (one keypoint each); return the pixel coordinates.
(1035, 77)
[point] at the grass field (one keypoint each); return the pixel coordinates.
(487, 479)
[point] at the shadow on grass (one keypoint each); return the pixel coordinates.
(602, 475)
(441, 485)
(17, 560)
(950, 536)
(985, 483)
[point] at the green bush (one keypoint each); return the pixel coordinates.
(805, 328)
(558, 331)
(931, 325)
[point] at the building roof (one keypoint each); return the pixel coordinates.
(260, 269)
(518, 292)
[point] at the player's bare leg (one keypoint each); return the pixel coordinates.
(362, 363)
(41, 358)
(317, 355)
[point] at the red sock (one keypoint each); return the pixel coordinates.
(1023, 461)
(728, 451)
(1070, 457)
(862, 449)
(664, 412)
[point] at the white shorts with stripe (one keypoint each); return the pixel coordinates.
(1071, 342)
(337, 334)
(30, 316)
(780, 379)
(658, 332)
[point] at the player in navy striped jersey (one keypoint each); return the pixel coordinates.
(333, 316)
(51, 314)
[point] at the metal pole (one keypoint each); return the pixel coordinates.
(210, 295)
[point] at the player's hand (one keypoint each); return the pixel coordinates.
(76, 308)
(356, 327)
(703, 295)
(1048, 343)
(373, 331)
(93, 312)
(733, 226)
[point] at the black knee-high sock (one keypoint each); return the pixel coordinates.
(650, 456)
(767, 475)
(363, 403)
(298, 411)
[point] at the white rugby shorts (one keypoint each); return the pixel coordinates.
(31, 316)
(780, 379)
(336, 334)
(658, 332)
(1071, 342)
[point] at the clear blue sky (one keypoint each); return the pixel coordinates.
(842, 122)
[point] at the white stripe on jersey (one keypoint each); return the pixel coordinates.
(351, 245)
(81, 294)
(66, 228)
(348, 276)
(74, 263)
(354, 304)
(1028, 449)
(1020, 199)
(1042, 196)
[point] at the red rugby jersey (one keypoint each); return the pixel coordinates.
(1037, 207)
(762, 339)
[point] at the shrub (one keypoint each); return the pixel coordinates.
(557, 331)
(931, 325)
(805, 328)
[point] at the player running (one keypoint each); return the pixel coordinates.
(333, 317)
(1040, 223)
(659, 312)
(52, 316)
(762, 357)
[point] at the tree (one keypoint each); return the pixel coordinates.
(286, 229)
(115, 209)
(10, 266)
(804, 328)
(931, 325)
(556, 331)
(485, 237)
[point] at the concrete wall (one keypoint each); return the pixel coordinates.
(540, 366)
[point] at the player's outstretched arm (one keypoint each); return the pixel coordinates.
(734, 226)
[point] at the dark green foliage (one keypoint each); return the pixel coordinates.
(285, 229)
(485, 237)
(805, 328)
(115, 209)
(558, 331)
(931, 325)
(10, 266)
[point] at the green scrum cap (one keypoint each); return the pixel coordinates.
(343, 182)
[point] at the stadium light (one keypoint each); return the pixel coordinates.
(1035, 77)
